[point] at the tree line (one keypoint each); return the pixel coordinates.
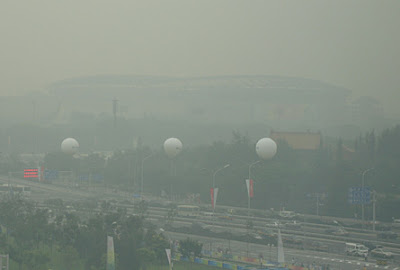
(44, 238)
(293, 179)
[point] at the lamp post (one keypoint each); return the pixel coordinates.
(248, 197)
(363, 193)
(213, 185)
(142, 176)
(171, 264)
(172, 148)
(249, 187)
(265, 149)
(373, 209)
(213, 198)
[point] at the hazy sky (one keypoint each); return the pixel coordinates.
(355, 44)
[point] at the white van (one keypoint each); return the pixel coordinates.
(287, 214)
(355, 249)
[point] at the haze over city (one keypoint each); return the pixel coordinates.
(201, 135)
(352, 44)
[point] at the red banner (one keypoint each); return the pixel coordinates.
(214, 194)
(31, 173)
(250, 188)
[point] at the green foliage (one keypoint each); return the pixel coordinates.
(147, 255)
(172, 213)
(190, 248)
(288, 180)
(36, 239)
(61, 162)
(142, 208)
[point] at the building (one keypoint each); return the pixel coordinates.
(299, 140)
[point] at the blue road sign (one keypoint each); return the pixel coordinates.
(98, 177)
(83, 177)
(50, 174)
(91, 177)
(359, 195)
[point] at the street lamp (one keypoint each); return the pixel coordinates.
(363, 193)
(171, 264)
(248, 197)
(213, 201)
(265, 149)
(220, 169)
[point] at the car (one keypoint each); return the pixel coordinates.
(255, 236)
(381, 253)
(267, 233)
(371, 245)
(341, 232)
(293, 240)
(318, 246)
(274, 223)
(287, 214)
(200, 226)
(225, 217)
(337, 231)
(293, 225)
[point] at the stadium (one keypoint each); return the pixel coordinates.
(284, 102)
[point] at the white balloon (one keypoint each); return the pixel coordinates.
(70, 146)
(172, 147)
(266, 148)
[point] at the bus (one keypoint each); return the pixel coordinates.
(188, 211)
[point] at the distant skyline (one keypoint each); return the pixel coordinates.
(352, 44)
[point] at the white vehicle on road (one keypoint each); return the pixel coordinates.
(355, 249)
(381, 253)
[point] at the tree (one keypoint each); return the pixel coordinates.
(171, 214)
(147, 256)
(190, 247)
(141, 208)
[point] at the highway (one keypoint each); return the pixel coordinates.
(300, 257)
(304, 231)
